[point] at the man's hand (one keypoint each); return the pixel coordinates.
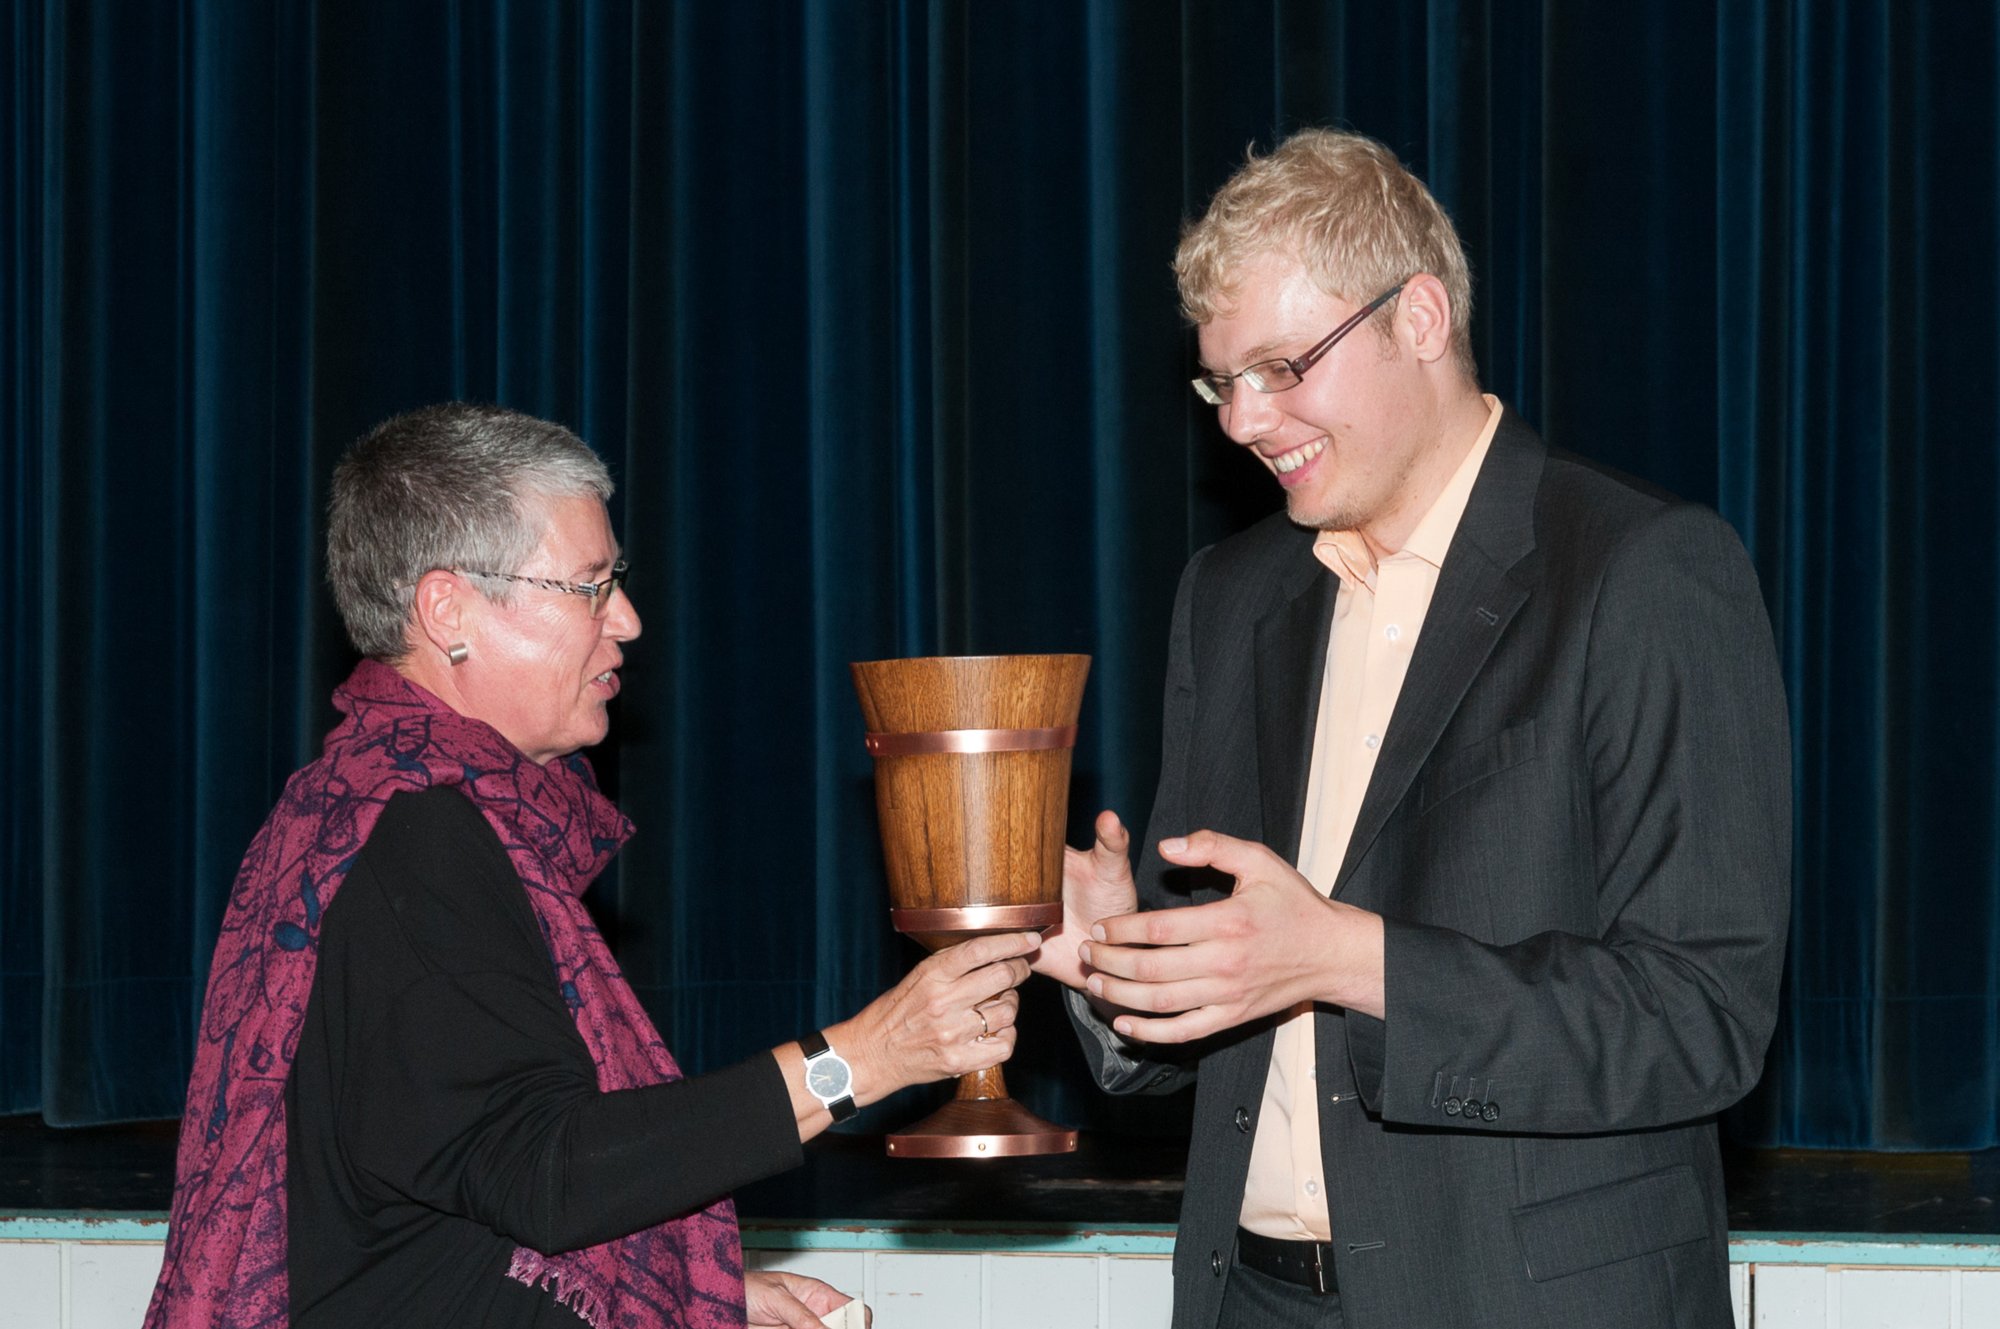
(778, 1300)
(1274, 943)
(1097, 883)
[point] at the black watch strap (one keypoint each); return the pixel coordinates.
(813, 1044)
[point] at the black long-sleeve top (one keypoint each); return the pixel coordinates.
(443, 1108)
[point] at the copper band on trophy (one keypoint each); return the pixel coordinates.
(972, 762)
(970, 740)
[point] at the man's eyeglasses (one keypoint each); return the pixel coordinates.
(1281, 373)
(599, 593)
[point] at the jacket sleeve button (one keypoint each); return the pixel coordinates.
(1452, 1106)
(1243, 1120)
(1473, 1108)
(1492, 1112)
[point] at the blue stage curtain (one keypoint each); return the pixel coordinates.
(868, 306)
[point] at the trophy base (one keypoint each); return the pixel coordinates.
(982, 1128)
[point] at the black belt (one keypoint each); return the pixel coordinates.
(1306, 1263)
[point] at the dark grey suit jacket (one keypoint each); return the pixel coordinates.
(1578, 832)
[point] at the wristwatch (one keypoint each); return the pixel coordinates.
(828, 1076)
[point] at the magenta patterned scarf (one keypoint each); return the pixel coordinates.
(225, 1257)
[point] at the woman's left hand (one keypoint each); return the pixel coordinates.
(779, 1300)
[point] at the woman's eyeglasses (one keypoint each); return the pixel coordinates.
(597, 592)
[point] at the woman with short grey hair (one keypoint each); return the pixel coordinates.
(435, 1099)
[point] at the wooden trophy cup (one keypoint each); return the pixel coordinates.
(972, 787)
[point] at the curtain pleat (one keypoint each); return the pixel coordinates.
(1858, 457)
(24, 258)
(867, 305)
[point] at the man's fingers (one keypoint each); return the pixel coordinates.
(1113, 841)
(1212, 849)
(1182, 1028)
(1169, 998)
(1107, 860)
(1156, 964)
(1167, 927)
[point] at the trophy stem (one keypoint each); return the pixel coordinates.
(982, 1122)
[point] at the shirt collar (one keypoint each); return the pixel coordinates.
(1347, 555)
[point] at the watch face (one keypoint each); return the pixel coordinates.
(828, 1078)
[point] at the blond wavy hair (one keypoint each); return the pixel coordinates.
(1347, 210)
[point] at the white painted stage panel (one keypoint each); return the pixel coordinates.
(31, 1273)
(1790, 1296)
(1895, 1298)
(111, 1282)
(1138, 1293)
(1043, 1291)
(1978, 1299)
(61, 1272)
(927, 1291)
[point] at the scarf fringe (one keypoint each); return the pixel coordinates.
(532, 1268)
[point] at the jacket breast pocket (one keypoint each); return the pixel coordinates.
(1604, 1224)
(1453, 772)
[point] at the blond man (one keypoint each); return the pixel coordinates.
(1464, 896)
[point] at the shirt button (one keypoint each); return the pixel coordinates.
(1392, 632)
(1312, 1188)
(1372, 742)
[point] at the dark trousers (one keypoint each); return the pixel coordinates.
(1258, 1301)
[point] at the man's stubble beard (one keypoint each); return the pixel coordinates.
(1343, 517)
(1349, 512)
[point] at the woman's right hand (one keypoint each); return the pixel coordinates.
(953, 1013)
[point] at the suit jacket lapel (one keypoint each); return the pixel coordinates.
(1476, 598)
(1290, 664)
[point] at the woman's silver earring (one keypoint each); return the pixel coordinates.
(458, 653)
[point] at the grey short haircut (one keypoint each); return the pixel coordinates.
(1341, 205)
(451, 486)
